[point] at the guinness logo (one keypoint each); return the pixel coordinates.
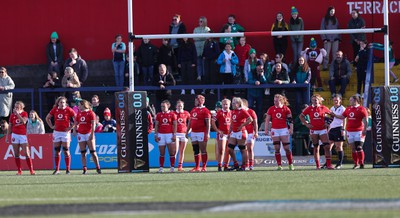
(379, 158)
(138, 163)
(122, 164)
(394, 158)
(258, 161)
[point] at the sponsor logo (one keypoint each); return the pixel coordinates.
(373, 7)
(139, 133)
(278, 115)
(378, 119)
(36, 153)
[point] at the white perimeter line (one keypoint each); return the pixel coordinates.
(74, 199)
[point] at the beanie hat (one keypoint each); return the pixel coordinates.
(252, 51)
(54, 35)
(259, 63)
(294, 10)
(218, 104)
(107, 112)
(313, 43)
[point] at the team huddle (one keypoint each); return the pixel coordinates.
(238, 127)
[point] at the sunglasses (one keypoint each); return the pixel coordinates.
(174, 19)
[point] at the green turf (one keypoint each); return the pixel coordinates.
(259, 185)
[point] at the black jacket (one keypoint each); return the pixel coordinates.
(147, 54)
(169, 80)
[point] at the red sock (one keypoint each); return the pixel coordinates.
(204, 158)
(29, 163)
(219, 164)
(361, 156)
(162, 160)
(225, 165)
(328, 160)
(289, 157)
(68, 162)
(355, 157)
(179, 165)
(251, 162)
(197, 160)
(317, 163)
(57, 161)
(236, 164)
(278, 158)
(172, 161)
(18, 163)
(98, 167)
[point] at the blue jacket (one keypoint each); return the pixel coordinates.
(234, 62)
(252, 78)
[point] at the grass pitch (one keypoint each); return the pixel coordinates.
(301, 190)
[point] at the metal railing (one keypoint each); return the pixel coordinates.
(30, 91)
(217, 87)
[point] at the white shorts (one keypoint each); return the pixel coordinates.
(83, 137)
(164, 139)
(61, 136)
(241, 135)
(18, 139)
(355, 137)
(197, 136)
(318, 132)
(279, 132)
(223, 137)
(250, 138)
(181, 137)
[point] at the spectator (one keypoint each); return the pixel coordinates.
(187, 59)
(136, 71)
(34, 125)
(150, 108)
(199, 42)
(362, 62)
(118, 49)
(163, 80)
(392, 59)
(278, 76)
(227, 61)
(210, 55)
(97, 107)
(54, 53)
(109, 124)
(267, 64)
(279, 59)
(3, 128)
(301, 74)
(314, 57)
(176, 27)
(53, 81)
(256, 77)
(242, 50)
(296, 24)
(71, 80)
(339, 73)
(147, 58)
(300, 132)
(356, 22)
(78, 64)
(234, 28)
(331, 41)
(99, 127)
(6, 83)
(280, 42)
(167, 56)
(225, 40)
(250, 64)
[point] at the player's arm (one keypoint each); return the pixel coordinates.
(304, 121)
(365, 122)
(8, 131)
(156, 131)
(255, 127)
(48, 121)
(208, 126)
(22, 119)
(174, 129)
(290, 121)
(189, 128)
(248, 121)
(267, 120)
(214, 126)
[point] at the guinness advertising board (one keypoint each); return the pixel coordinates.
(132, 141)
(386, 126)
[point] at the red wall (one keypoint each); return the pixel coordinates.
(90, 25)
